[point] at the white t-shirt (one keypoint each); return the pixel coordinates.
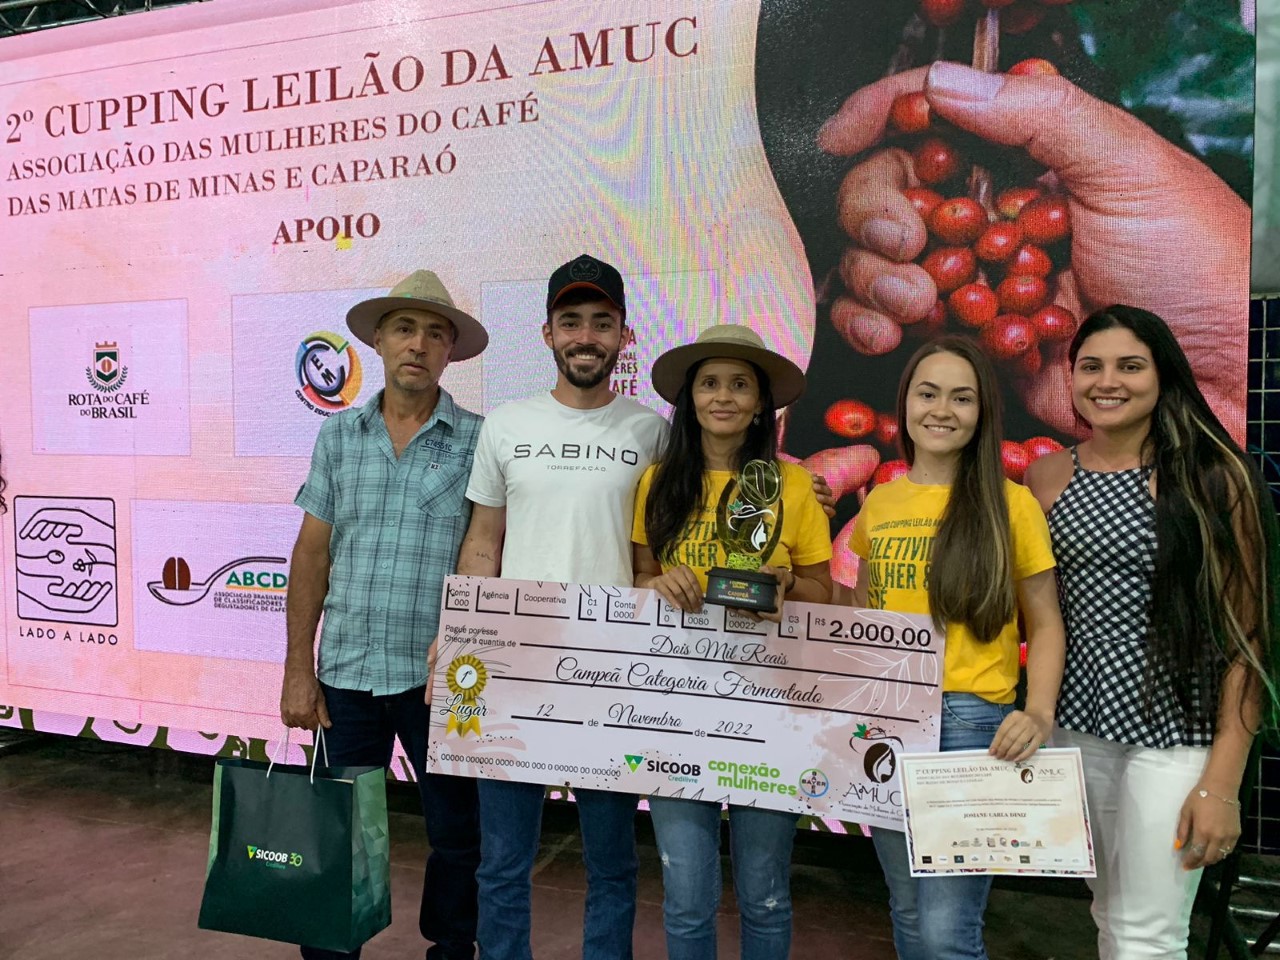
(568, 480)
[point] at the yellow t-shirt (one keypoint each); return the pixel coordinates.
(805, 537)
(894, 534)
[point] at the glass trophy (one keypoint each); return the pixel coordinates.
(748, 527)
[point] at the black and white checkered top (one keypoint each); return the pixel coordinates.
(1104, 538)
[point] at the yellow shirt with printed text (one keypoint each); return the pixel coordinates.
(894, 535)
(805, 537)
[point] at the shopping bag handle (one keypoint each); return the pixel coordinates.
(317, 746)
(282, 752)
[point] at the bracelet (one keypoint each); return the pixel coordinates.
(1217, 796)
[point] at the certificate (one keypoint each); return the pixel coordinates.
(614, 689)
(967, 812)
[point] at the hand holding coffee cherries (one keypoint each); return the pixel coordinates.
(1120, 216)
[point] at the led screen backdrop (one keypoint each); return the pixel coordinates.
(193, 198)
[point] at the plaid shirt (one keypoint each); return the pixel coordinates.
(397, 525)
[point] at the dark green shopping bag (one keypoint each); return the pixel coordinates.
(295, 859)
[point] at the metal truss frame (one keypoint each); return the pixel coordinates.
(27, 16)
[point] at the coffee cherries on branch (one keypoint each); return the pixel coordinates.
(994, 264)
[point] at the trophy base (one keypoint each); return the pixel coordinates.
(745, 589)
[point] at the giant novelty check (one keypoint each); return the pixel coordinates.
(612, 688)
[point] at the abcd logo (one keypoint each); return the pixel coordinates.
(328, 372)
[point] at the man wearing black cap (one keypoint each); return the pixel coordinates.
(385, 512)
(553, 487)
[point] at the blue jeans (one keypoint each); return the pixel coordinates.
(940, 918)
(510, 822)
(688, 833)
(363, 734)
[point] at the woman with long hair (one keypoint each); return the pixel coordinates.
(984, 563)
(718, 465)
(1162, 698)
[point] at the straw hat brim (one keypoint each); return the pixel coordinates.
(786, 380)
(472, 338)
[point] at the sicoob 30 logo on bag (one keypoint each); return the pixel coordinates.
(274, 859)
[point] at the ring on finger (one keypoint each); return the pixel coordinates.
(1198, 849)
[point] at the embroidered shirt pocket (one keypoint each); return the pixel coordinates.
(442, 492)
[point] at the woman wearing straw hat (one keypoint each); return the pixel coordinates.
(726, 388)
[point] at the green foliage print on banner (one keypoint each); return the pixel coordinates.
(1194, 84)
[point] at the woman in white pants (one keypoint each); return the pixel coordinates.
(1164, 535)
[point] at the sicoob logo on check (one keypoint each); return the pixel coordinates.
(675, 768)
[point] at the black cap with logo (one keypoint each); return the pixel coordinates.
(586, 271)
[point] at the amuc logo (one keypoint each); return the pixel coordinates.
(880, 763)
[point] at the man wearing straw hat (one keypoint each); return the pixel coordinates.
(385, 511)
